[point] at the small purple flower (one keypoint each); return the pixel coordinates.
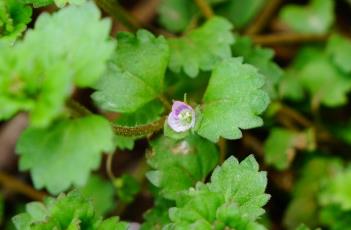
(182, 117)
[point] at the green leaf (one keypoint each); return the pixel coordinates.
(101, 192)
(321, 78)
(316, 17)
(239, 12)
(339, 48)
(262, 59)
(335, 218)
(58, 156)
(14, 17)
(135, 75)
(303, 207)
(281, 145)
(157, 217)
(127, 188)
(233, 100)
(201, 48)
(179, 164)
(39, 80)
(71, 211)
(232, 199)
(337, 190)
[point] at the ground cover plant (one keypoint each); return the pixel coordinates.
(175, 114)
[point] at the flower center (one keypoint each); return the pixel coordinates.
(185, 116)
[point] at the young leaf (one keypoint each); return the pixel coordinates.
(71, 211)
(157, 217)
(339, 48)
(127, 188)
(201, 48)
(233, 199)
(135, 75)
(14, 17)
(179, 164)
(280, 147)
(232, 101)
(316, 17)
(262, 59)
(58, 156)
(101, 193)
(39, 80)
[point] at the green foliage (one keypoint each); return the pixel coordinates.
(281, 144)
(126, 187)
(39, 80)
(71, 211)
(157, 217)
(179, 164)
(233, 93)
(317, 17)
(339, 49)
(232, 199)
(14, 17)
(179, 15)
(136, 71)
(58, 156)
(201, 48)
(262, 59)
(101, 192)
(304, 207)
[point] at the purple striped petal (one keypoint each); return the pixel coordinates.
(182, 117)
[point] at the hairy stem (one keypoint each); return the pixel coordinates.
(205, 8)
(79, 110)
(13, 184)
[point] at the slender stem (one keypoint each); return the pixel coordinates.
(222, 149)
(113, 8)
(295, 115)
(109, 166)
(205, 8)
(165, 102)
(79, 110)
(263, 18)
(13, 184)
(287, 38)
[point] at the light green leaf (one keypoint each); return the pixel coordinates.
(316, 17)
(59, 3)
(233, 100)
(101, 192)
(127, 188)
(71, 211)
(39, 80)
(233, 199)
(59, 157)
(262, 59)
(339, 48)
(157, 217)
(135, 75)
(14, 17)
(179, 164)
(202, 48)
(281, 145)
(322, 79)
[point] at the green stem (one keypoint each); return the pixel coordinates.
(205, 8)
(78, 110)
(113, 8)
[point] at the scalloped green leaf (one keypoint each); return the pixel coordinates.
(135, 75)
(233, 199)
(202, 48)
(71, 211)
(339, 48)
(316, 17)
(58, 156)
(178, 164)
(233, 100)
(39, 80)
